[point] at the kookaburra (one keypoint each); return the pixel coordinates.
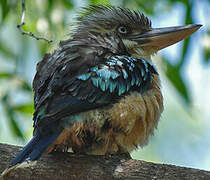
(99, 92)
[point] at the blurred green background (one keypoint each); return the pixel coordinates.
(183, 134)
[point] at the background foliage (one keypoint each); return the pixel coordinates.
(52, 19)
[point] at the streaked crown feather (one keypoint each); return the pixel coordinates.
(109, 16)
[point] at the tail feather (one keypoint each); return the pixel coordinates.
(31, 152)
(34, 149)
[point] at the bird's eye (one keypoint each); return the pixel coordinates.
(122, 30)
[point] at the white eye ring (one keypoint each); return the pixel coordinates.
(122, 30)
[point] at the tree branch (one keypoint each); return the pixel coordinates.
(84, 167)
(19, 26)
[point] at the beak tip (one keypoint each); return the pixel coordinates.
(191, 28)
(197, 26)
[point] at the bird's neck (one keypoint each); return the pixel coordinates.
(140, 53)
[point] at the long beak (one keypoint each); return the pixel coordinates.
(159, 38)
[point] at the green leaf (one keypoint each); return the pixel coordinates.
(103, 2)
(173, 74)
(206, 48)
(4, 9)
(6, 75)
(11, 118)
(26, 108)
(148, 7)
(206, 55)
(188, 20)
(50, 4)
(68, 4)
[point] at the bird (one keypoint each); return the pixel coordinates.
(99, 92)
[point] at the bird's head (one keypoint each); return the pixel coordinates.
(133, 29)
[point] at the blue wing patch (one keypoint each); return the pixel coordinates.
(118, 75)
